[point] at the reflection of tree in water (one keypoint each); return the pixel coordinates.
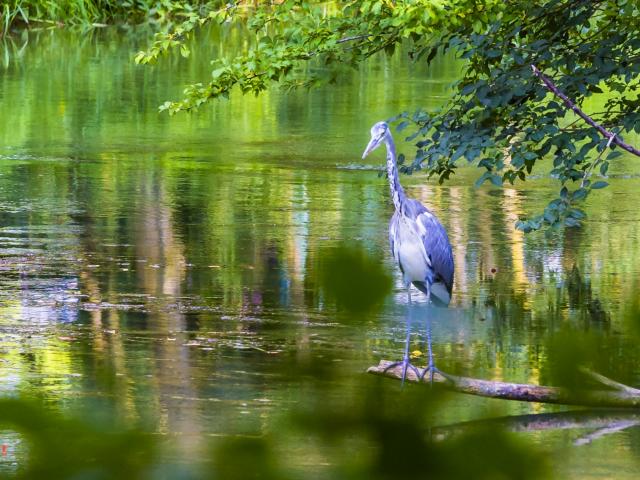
(581, 297)
(275, 279)
(268, 283)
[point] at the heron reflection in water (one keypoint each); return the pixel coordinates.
(419, 244)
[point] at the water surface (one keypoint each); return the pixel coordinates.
(169, 269)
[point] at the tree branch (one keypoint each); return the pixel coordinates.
(518, 391)
(610, 383)
(355, 37)
(613, 138)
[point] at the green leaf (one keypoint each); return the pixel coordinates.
(496, 180)
(579, 194)
(577, 213)
(484, 177)
(550, 216)
(401, 126)
(432, 54)
(604, 168)
(571, 222)
(218, 72)
(597, 185)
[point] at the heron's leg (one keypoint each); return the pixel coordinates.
(431, 367)
(406, 364)
(405, 360)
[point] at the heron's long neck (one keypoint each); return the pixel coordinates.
(397, 192)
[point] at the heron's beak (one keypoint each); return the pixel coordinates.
(373, 144)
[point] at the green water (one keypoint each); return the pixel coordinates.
(168, 269)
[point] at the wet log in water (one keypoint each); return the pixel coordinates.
(618, 396)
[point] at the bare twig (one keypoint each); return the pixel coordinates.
(587, 172)
(355, 37)
(613, 138)
(610, 383)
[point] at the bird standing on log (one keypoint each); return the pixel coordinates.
(419, 243)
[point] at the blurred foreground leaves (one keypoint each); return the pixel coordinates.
(378, 432)
(61, 447)
(367, 429)
(354, 280)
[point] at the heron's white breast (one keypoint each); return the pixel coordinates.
(411, 254)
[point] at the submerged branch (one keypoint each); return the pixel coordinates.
(609, 429)
(613, 138)
(601, 421)
(517, 391)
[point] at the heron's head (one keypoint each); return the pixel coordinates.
(378, 134)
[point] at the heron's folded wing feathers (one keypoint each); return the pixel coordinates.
(437, 246)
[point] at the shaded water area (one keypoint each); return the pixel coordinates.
(168, 270)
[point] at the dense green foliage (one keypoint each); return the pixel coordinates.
(93, 12)
(500, 115)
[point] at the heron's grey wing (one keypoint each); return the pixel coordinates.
(436, 244)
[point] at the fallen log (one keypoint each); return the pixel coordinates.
(620, 396)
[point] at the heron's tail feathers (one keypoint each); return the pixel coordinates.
(440, 295)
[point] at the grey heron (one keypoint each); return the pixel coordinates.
(419, 244)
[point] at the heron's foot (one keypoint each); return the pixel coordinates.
(406, 365)
(431, 370)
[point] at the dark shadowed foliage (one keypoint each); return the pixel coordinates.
(354, 280)
(55, 446)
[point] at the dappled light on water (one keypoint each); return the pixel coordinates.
(220, 282)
